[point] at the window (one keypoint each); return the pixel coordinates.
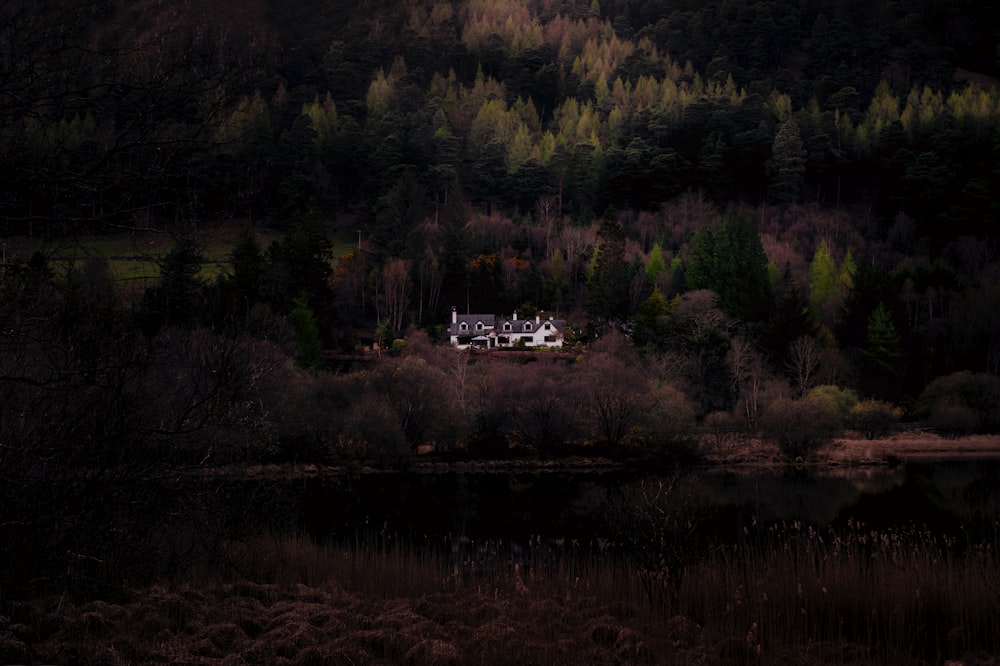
(548, 327)
(463, 326)
(527, 326)
(479, 325)
(506, 326)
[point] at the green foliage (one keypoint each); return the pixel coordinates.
(835, 399)
(823, 276)
(648, 319)
(308, 346)
(793, 317)
(786, 168)
(607, 286)
(882, 345)
(729, 259)
(179, 299)
(655, 266)
(874, 419)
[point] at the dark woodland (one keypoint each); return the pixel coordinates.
(772, 220)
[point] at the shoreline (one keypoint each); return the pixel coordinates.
(845, 452)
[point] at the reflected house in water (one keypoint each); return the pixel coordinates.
(486, 331)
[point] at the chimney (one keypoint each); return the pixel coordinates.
(515, 315)
(538, 319)
(454, 315)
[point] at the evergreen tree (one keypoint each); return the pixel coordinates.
(883, 346)
(845, 279)
(247, 265)
(787, 166)
(308, 347)
(822, 276)
(648, 323)
(793, 317)
(179, 298)
(729, 259)
(883, 355)
(608, 285)
(654, 265)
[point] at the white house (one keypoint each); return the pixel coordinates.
(483, 331)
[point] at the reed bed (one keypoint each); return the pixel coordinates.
(787, 595)
(853, 595)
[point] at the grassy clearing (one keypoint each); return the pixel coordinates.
(133, 258)
(792, 595)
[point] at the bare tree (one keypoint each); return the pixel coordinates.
(803, 361)
(617, 395)
(748, 374)
(397, 289)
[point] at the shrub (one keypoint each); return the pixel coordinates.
(872, 418)
(962, 403)
(373, 428)
(669, 425)
(840, 399)
(722, 429)
(952, 419)
(800, 427)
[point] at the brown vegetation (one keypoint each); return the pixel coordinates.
(789, 595)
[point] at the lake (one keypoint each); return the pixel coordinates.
(954, 498)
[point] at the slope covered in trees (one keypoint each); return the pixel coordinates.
(822, 171)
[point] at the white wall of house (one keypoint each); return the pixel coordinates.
(486, 331)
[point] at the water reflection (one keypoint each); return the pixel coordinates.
(947, 497)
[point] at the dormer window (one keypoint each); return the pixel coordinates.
(479, 325)
(527, 325)
(506, 326)
(463, 326)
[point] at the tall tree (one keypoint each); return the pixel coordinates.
(822, 276)
(608, 285)
(179, 297)
(883, 352)
(655, 265)
(729, 259)
(787, 166)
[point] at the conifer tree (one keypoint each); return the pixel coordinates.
(309, 348)
(787, 166)
(655, 265)
(608, 285)
(822, 276)
(883, 347)
(729, 259)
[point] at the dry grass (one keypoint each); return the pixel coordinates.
(856, 596)
(791, 595)
(853, 449)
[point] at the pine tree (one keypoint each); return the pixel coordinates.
(883, 346)
(607, 286)
(793, 317)
(729, 259)
(308, 346)
(787, 166)
(646, 318)
(883, 355)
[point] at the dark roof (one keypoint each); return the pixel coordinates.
(488, 320)
(492, 322)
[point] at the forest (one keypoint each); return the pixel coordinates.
(742, 209)
(232, 427)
